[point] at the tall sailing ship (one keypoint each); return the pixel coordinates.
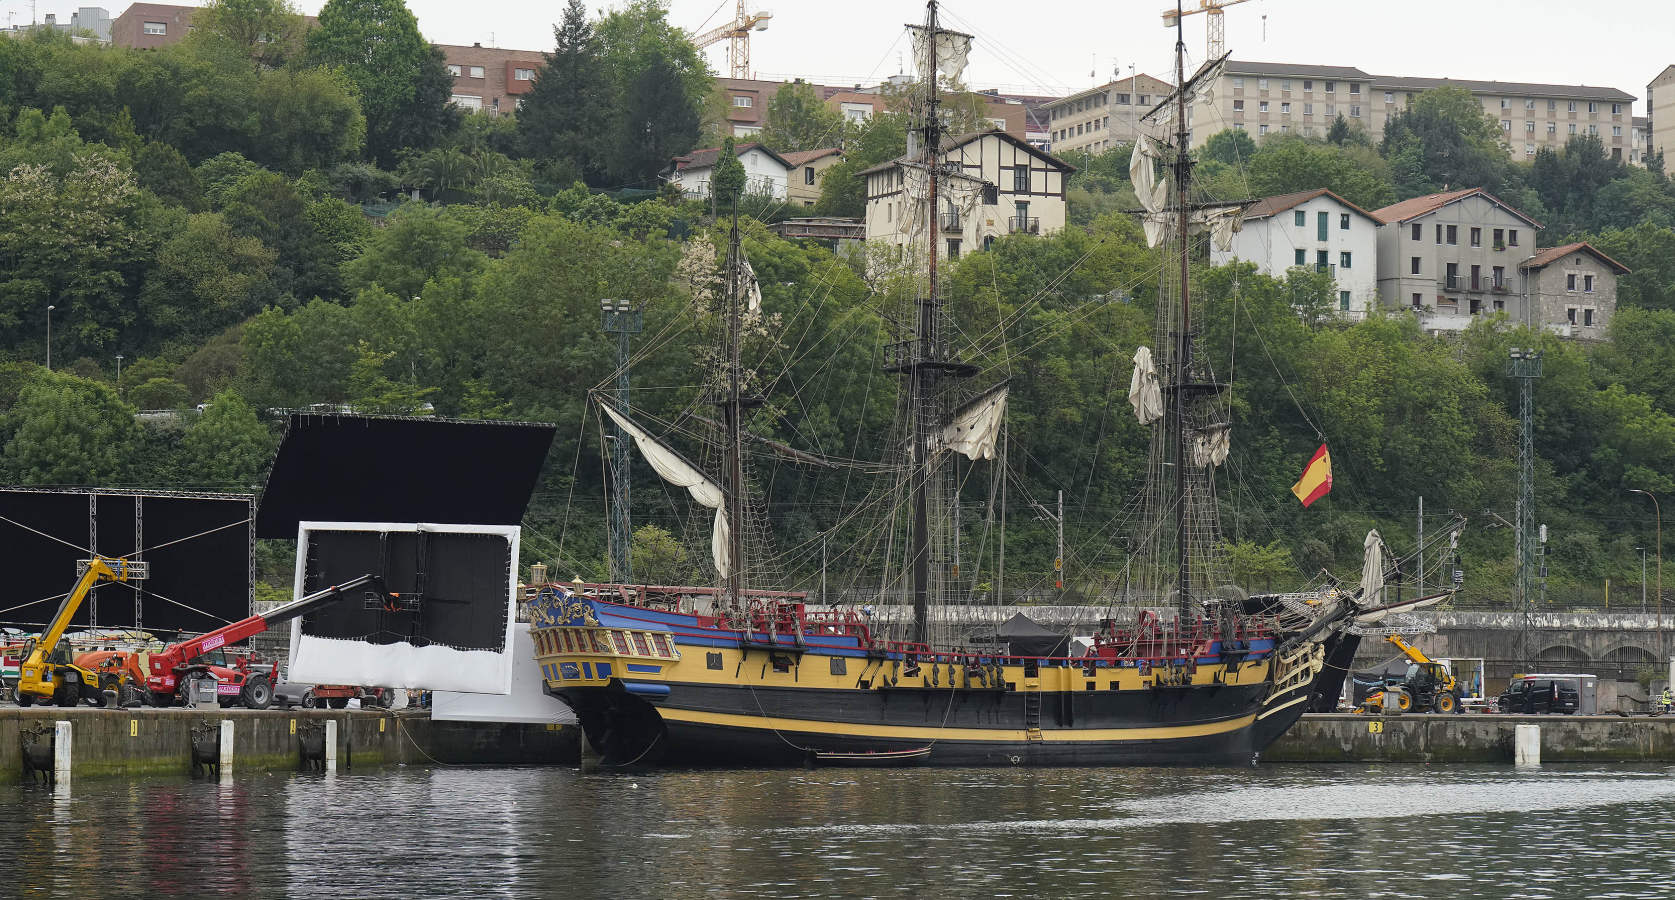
(734, 675)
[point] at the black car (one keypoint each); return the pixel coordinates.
(1539, 695)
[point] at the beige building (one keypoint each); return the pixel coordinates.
(1642, 139)
(1103, 117)
(1001, 185)
(1282, 98)
(808, 168)
(1660, 113)
(1572, 290)
(1453, 256)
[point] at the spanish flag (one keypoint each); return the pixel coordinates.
(1317, 478)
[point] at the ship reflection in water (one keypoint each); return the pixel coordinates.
(1328, 831)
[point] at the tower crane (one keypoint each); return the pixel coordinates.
(738, 31)
(1214, 26)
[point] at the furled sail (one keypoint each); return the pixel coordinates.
(673, 468)
(1372, 570)
(1144, 392)
(1222, 222)
(1142, 171)
(952, 48)
(752, 288)
(1211, 445)
(974, 428)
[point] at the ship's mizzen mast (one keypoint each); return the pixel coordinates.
(733, 417)
(1183, 337)
(923, 377)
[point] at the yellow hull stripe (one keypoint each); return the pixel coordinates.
(913, 733)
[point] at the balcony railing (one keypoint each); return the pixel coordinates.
(1453, 283)
(951, 221)
(1024, 225)
(1498, 287)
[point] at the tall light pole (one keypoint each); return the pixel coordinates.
(620, 318)
(1524, 364)
(1642, 579)
(50, 308)
(1657, 509)
(119, 376)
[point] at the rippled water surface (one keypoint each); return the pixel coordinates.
(1276, 831)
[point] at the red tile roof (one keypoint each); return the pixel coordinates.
(799, 157)
(1554, 254)
(1269, 206)
(1418, 206)
(703, 159)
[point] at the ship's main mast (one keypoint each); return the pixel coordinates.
(923, 376)
(1183, 335)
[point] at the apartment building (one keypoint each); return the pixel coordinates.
(808, 169)
(765, 171)
(1317, 229)
(88, 24)
(1103, 117)
(1453, 256)
(147, 26)
(1280, 98)
(491, 79)
(1638, 145)
(1002, 185)
(1660, 114)
(1572, 290)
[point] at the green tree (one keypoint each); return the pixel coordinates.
(227, 447)
(309, 119)
(419, 244)
(1648, 251)
(727, 179)
(1286, 164)
(659, 82)
(1230, 146)
(300, 358)
(843, 192)
(67, 431)
(1259, 564)
(567, 109)
(372, 390)
(1446, 142)
(268, 208)
(205, 279)
(401, 79)
(268, 31)
(798, 120)
(657, 557)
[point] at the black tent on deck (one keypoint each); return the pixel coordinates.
(1024, 637)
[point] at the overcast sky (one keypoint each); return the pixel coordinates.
(1055, 45)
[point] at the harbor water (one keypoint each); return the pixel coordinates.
(1352, 831)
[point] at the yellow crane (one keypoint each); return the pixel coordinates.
(47, 671)
(1213, 23)
(738, 31)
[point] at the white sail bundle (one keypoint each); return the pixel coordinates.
(1144, 392)
(674, 468)
(1211, 445)
(1372, 570)
(974, 429)
(952, 48)
(1161, 222)
(751, 286)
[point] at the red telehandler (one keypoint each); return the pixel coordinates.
(171, 667)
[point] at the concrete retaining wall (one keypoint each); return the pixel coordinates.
(159, 741)
(1473, 738)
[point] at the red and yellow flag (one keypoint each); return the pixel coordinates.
(1317, 478)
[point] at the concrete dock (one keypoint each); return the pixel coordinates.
(1473, 738)
(146, 741)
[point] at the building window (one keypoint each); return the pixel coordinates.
(1308, 85)
(1343, 300)
(1529, 103)
(1593, 107)
(1453, 234)
(1308, 109)
(476, 71)
(1529, 128)
(1262, 106)
(1343, 259)
(808, 174)
(1500, 278)
(953, 248)
(1354, 88)
(1146, 98)
(1616, 131)
(1506, 124)
(1331, 86)
(1238, 83)
(1570, 287)
(1570, 314)
(1343, 221)
(991, 195)
(1529, 149)
(1261, 84)
(1413, 266)
(1389, 96)
(1512, 238)
(1500, 239)
(743, 102)
(523, 74)
(1418, 231)
(1354, 111)
(1587, 318)
(1285, 85)
(1587, 284)
(1301, 257)
(1020, 179)
(1616, 109)
(1122, 100)
(156, 28)
(1570, 106)
(1300, 219)
(1418, 301)
(1238, 106)
(1573, 128)
(1552, 127)
(1262, 129)
(1238, 126)
(1477, 237)
(1285, 110)
(467, 101)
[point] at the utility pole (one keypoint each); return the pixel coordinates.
(1642, 579)
(618, 317)
(49, 321)
(1058, 561)
(119, 376)
(1419, 590)
(1524, 364)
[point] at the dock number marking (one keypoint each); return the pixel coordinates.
(133, 727)
(293, 726)
(1375, 727)
(380, 726)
